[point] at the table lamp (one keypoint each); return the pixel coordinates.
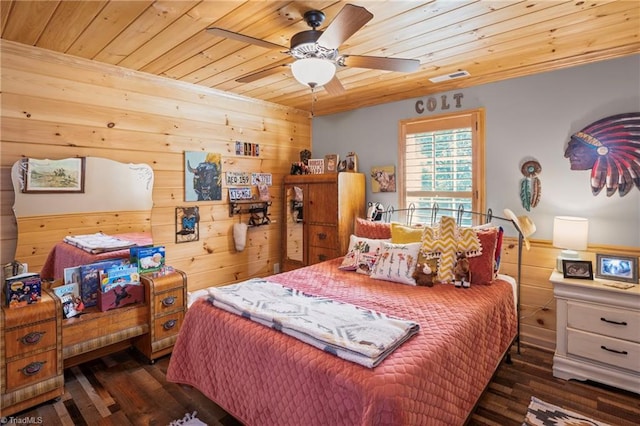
(570, 234)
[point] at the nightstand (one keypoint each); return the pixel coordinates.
(598, 332)
(167, 298)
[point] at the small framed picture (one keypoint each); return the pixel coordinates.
(617, 268)
(59, 176)
(187, 224)
(579, 269)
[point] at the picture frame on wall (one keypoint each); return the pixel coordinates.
(577, 269)
(187, 224)
(617, 268)
(54, 176)
(383, 179)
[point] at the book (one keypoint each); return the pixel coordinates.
(90, 279)
(72, 275)
(69, 295)
(148, 259)
(22, 290)
(119, 275)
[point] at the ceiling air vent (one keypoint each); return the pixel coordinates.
(457, 74)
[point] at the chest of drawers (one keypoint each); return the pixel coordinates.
(30, 355)
(167, 298)
(598, 332)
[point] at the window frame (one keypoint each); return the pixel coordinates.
(475, 119)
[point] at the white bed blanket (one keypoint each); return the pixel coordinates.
(353, 333)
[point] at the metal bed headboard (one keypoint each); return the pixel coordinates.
(410, 212)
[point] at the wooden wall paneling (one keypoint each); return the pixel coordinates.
(57, 106)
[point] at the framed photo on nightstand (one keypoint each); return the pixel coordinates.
(617, 268)
(578, 269)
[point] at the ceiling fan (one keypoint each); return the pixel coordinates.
(315, 53)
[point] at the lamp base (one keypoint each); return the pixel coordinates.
(566, 255)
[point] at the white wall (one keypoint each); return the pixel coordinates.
(527, 117)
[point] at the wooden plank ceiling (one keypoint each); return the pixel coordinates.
(492, 40)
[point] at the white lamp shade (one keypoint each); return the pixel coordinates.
(570, 232)
(313, 72)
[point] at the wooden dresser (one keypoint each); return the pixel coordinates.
(37, 343)
(317, 227)
(31, 355)
(598, 332)
(167, 296)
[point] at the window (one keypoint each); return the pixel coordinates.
(441, 161)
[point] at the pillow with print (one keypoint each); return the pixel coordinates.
(365, 245)
(357, 248)
(365, 263)
(350, 261)
(396, 262)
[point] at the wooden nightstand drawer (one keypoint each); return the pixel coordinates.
(167, 325)
(31, 369)
(619, 323)
(169, 301)
(620, 353)
(32, 337)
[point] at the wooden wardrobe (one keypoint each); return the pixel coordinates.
(319, 215)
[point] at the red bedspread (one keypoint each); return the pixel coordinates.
(263, 377)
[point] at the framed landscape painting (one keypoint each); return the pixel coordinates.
(60, 176)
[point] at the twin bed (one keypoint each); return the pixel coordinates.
(263, 377)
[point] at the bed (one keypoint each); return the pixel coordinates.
(263, 377)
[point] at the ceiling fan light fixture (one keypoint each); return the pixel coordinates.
(313, 72)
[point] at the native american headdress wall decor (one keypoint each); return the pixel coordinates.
(610, 147)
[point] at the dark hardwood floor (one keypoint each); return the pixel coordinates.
(123, 389)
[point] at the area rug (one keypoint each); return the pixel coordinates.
(188, 420)
(541, 413)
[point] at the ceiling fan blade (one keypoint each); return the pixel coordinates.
(349, 20)
(262, 73)
(241, 37)
(381, 63)
(334, 87)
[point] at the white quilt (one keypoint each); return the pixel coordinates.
(356, 334)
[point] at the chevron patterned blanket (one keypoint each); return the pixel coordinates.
(350, 332)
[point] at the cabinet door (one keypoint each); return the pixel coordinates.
(323, 203)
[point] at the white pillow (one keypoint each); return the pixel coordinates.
(396, 262)
(365, 245)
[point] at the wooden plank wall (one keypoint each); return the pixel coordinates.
(57, 106)
(537, 304)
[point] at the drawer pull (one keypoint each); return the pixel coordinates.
(168, 325)
(613, 322)
(322, 257)
(32, 368)
(168, 301)
(613, 350)
(322, 236)
(31, 338)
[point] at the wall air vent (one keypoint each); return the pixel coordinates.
(457, 74)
